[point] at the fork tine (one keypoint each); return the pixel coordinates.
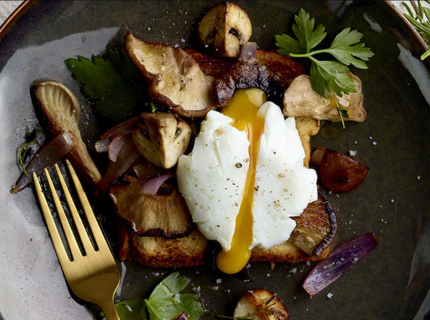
(95, 228)
(78, 222)
(73, 245)
(55, 236)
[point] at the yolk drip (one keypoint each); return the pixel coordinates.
(243, 109)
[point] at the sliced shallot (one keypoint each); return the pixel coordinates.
(123, 128)
(115, 146)
(127, 157)
(151, 187)
(49, 154)
(339, 262)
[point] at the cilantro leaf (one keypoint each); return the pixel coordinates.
(165, 302)
(326, 76)
(110, 83)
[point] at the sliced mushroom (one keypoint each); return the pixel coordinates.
(161, 138)
(266, 70)
(300, 100)
(164, 214)
(307, 128)
(315, 227)
(175, 78)
(225, 27)
(61, 109)
(261, 304)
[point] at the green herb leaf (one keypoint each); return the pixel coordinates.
(326, 76)
(165, 302)
(287, 44)
(305, 33)
(346, 46)
(111, 83)
(130, 310)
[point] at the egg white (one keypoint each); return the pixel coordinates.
(283, 186)
(212, 178)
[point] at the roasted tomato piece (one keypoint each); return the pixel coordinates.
(340, 173)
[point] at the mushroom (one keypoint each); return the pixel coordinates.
(266, 70)
(300, 100)
(225, 27)
(175, 78)
(164, 214)
(315, 227)
(161, 138)
(307, 127)
(61, 109)
(261, 304)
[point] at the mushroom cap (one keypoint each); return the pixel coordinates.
(161, 138)
(261, 304)
(300, 100)
(62, 110)
(225, 27)
(164, 214)
(175, 78)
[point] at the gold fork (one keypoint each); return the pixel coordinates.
(93, 277)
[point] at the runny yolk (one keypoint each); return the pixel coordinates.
(243, 109)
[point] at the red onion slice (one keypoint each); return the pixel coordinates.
(151, 187)
(120, 129)
(116, 145)
(49, 154)
(248, 51)
(127, 157)
(339, 262)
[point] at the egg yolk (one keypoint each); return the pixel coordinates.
(243, 109)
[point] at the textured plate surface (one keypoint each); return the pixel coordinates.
(393, 203)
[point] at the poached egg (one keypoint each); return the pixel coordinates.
(245, 178)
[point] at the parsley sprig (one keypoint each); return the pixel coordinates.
(327, 77)
(113, 83)
(167, 301)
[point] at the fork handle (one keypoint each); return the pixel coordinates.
(109, 311)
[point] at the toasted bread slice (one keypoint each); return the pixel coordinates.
(318, 222)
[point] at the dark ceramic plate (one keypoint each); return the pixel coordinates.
(393, 203)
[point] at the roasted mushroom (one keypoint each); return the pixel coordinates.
(161, 138)
(261, 304)
(340, 173)
(307, 128)
(225, 27)
(300, 100)
(266, 70)
(175, 78)
(315, 227)
(62, 110)
(163, 214)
